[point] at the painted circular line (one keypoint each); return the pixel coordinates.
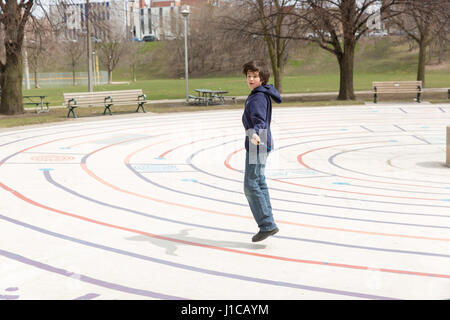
(200, 245)
(348, 208)
(188, 267)
(22, 197)
(128, 158)
(331, 160)
(300, 160)
(84, 278)
(66, 189)
(189, 161)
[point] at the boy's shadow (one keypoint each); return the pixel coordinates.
(172, 246)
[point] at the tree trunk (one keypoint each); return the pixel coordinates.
(109, 75)
(11, 101)
(421, 64)
(346, 61)
(277, 78)
(36, 81)
(74, 82)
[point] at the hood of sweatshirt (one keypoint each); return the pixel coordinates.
(269, 90)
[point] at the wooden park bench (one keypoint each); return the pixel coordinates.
(105, 99)
(394, 87)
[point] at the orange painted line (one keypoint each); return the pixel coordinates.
(300, 160)
(304, 261)
(227, 164)
(22, 197)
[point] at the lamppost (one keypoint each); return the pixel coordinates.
(185, 12)
(89, 48)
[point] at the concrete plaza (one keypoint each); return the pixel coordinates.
(152, 207)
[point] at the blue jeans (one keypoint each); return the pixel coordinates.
(257, 193)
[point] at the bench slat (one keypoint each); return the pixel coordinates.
(120, 97)
(391, 87)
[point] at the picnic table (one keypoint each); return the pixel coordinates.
(37, 101)
(207, 96)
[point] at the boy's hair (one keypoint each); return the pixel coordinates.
(257, 66)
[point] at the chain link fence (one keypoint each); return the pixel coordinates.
(64, 79)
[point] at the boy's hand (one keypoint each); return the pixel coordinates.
(255, 139)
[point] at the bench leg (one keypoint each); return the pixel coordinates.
(107, 108)
(141, 105)
(374, 98)
(418, 97)
(71, 111)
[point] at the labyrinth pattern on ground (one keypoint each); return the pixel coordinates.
(152, 207)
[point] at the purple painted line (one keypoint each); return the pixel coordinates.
(12, 289)
(422, 139)
(190, 162)
(84, 278)
(88, 296)
(196, 269)
(332, 161)
(8, 297)
(49, 178)
(400, 128)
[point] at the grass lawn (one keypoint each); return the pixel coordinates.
(236, 86)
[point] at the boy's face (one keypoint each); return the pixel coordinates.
(253, 79)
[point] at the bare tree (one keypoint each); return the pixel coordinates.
(336, 26)
(272, 20)
(111, 50)
(423, 22)
(13, 17)
(74, 49)
(38, 43)
(212, 50)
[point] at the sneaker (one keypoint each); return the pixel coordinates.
(261, 235)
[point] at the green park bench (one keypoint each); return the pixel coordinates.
(105, 99)
(395, 87)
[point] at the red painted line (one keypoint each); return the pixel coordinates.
(128, 159)
(34, 203)
(304, 261)
(300, 160)
(227, 164)
(223, 213)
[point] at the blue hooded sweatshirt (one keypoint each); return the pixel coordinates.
(258, 114)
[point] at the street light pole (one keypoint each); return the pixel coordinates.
(185, 12)
(89, 48)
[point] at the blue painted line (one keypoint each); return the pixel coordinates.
(189, 180)
(342, 183)
(45, 169)
(158, 158)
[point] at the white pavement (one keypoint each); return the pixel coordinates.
(152, 207)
